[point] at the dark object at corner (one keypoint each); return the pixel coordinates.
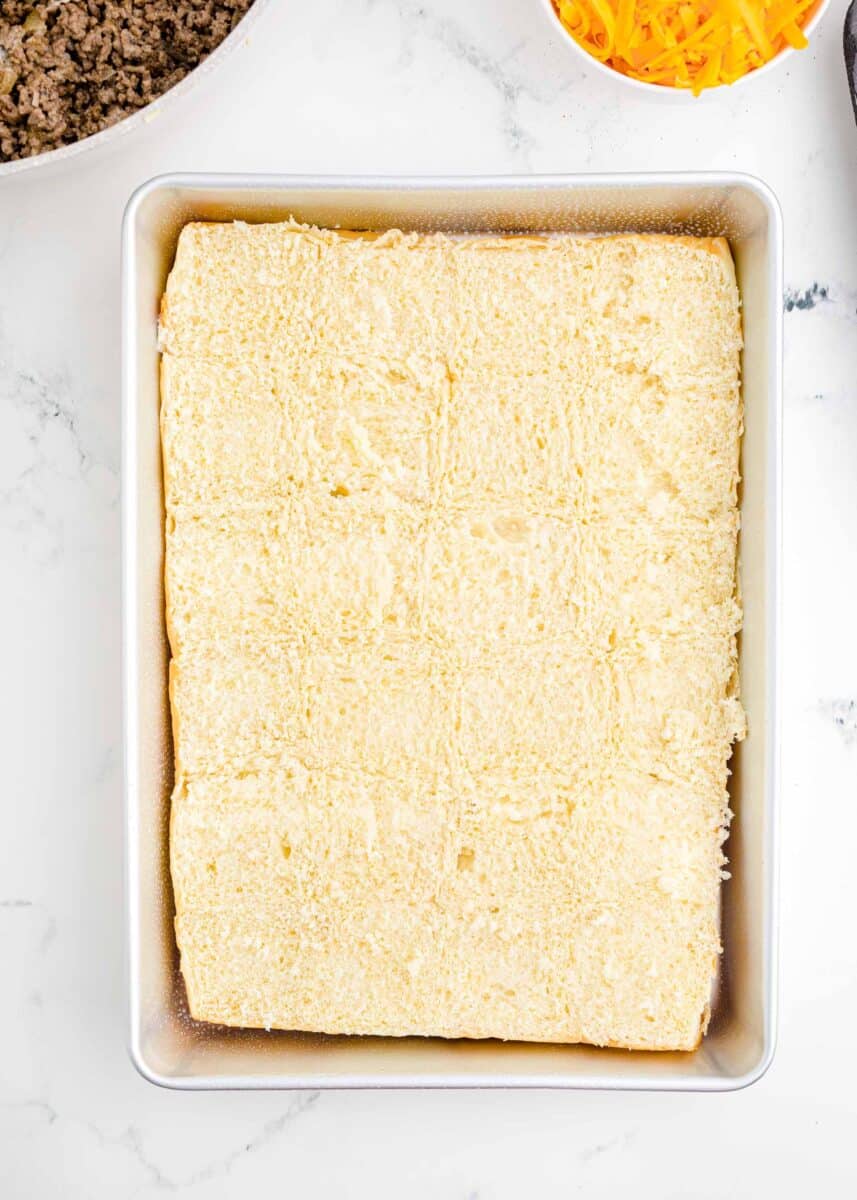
(850, 44)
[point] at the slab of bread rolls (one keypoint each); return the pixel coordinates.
(451, 595)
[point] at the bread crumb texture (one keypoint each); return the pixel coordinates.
(451, 594)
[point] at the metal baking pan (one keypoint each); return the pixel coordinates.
(165, 1044)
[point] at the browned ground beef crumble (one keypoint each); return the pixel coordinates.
(71, 67)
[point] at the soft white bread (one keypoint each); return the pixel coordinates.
(451, 593)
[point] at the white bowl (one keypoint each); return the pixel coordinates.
(234, 41)
(674, 93)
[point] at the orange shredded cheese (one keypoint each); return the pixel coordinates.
(693, 44)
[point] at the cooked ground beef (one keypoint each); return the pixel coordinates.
(71, 67)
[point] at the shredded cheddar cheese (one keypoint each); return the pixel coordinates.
(692, 44)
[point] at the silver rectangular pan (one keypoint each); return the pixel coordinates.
(165, 1044)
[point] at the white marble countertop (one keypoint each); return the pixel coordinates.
(398, 86)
